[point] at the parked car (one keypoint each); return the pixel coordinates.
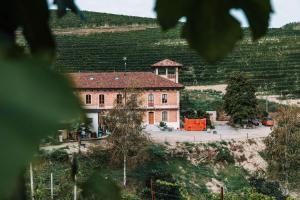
(254, 121)
(267, 121)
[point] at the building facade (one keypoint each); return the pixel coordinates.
(160, 93)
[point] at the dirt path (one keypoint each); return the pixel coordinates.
(220, 87)
(110, 29)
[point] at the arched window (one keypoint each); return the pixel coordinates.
(88, 99)
(119, 99)
(164, 116)
(150, 100)
(101, 100)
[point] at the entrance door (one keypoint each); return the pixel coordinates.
(151, 117)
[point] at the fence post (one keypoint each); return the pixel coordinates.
(31, 181)
(51, 184)
(75, 189)
(222, 193)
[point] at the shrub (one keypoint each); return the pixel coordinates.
(157, 152)
(127, 196)
(266, 187)
(59, 155)
(224, 155)
(164, 184)
(162, 124)
(213, 145)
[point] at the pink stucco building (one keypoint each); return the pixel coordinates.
(160, 92)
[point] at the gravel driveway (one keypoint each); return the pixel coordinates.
(224, 132)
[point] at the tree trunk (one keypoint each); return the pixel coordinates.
(124, 178)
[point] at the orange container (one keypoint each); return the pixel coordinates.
(194, 124)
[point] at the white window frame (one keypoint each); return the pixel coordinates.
(153, 98)
(162, 100)
(118, 99)
(86, 99)
(162, 116)
(100, 99)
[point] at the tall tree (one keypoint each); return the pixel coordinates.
(124, 122)
(283, 146)
(240, 102)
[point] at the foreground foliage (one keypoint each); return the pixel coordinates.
(283, 146)
(172, 173)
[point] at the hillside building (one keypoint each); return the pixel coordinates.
(160, 93)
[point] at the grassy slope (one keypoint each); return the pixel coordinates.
(96, 20)
(273, 62)
(191, 178)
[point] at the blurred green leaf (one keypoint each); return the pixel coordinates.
(211, 30)
(209, 27)
(169, 19)
(63, 5)
(258, 15)
(31, 17)
(100, 188)
(34, 101)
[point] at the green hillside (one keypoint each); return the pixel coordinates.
(292, 26)
(94, 19)
(273, 63)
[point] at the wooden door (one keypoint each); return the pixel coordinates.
(151, 117)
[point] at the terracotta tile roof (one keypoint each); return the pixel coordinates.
(121, 80)
(167, 63)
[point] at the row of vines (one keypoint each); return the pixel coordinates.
(273, 63)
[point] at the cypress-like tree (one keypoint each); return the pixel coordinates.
(240, 102)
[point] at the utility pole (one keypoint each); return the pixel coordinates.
(266, 89)
(31, 182)
(125, 63)
(125, 70)
(75, 188)
(267, 110)
(51, 184)
(222, 193)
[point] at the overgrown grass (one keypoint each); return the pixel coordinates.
(190, 178)
(234, 178)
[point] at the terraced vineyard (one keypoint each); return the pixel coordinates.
(273, 63)
(93, 19)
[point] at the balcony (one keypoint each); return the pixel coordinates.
(101, 105)
(150, 104)
(172, 76)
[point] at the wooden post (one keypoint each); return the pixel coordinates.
(75, 189)
(51, 185)
(152, 190)
(31, 182)
(124, 171)
(222, 193)
(79, 141)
